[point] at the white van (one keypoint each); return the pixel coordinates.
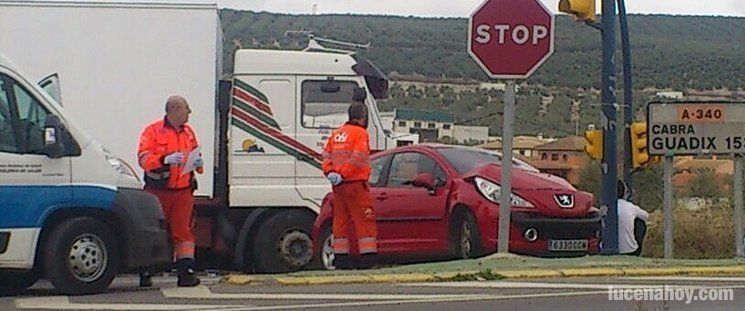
(71, 211)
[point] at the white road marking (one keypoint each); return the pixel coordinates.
(203, 292)
(686, 278)
(518, 285)
(417, 301)
(63, 303)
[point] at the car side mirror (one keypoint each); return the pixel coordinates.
(53, 145)
(424, 180)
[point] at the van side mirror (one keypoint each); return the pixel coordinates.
(53, 145)
(424, 180)
(360, 94)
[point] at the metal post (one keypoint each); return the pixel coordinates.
(628, 97)
(609, 196)
(668, 207)
(505, 201)
(739, 252)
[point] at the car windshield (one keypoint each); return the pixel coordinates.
(467, 159)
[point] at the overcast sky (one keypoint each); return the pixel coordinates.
(463, 8)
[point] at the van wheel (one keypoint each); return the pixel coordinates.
(324, 259)
(81, 256)
(466, 244)
(283, 243)
(12, 282)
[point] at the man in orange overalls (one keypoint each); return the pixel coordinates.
(347, 166)
(164, 148)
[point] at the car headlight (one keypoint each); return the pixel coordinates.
(120, 165)
(492, 192)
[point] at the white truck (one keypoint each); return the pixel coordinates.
(261, 131)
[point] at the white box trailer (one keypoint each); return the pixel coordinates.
(117, 63)
(262, 132)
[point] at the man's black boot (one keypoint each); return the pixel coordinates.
(343, 261)
(187, 277)
(146, 279)
(368, 261)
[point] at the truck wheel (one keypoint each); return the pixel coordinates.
(283, 243)
(81, 256)
(466, 235)
(12, 282)
(324, 259)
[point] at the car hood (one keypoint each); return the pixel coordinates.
(522, 179)
(545, 191)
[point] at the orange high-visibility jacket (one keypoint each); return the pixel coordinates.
(347, 153)
(160, 139)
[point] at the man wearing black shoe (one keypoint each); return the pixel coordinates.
(346, 165)
(164, 153)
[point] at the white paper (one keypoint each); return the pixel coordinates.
(191, 161)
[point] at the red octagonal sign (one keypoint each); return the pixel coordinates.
(510, 39)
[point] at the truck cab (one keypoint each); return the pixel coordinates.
(72, 212)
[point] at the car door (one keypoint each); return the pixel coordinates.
(31, 184)
(412, 218)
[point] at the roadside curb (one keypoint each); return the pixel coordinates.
(475, 275)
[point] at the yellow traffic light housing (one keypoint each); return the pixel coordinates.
(639, 155)
(583, 10)
(594, 146)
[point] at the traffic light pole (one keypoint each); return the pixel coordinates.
(628, 98)
(609, 198)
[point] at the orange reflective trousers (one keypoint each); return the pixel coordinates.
(354, 217)
(178, 207)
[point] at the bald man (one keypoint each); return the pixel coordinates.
(164, 147)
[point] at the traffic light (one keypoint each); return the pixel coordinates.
(594, 146)
(583, 10)
(639, 155)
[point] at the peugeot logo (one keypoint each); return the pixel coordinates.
(564, 200)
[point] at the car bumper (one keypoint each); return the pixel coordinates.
(547, 229)
(144, 234)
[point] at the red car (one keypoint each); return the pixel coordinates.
(439, 200)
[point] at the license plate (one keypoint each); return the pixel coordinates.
(567, 245)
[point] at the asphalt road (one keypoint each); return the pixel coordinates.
(545, 294)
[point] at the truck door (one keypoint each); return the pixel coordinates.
(323, 108)
(31, 184)
(263, 148)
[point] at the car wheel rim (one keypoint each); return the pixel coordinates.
(295, 247)
(465, 241)
(88, 258)
(327, 253)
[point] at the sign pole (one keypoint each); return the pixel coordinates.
(505, 201)
(668, 207)
(609, 197)
(739, 252)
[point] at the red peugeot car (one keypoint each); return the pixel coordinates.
(443, 201)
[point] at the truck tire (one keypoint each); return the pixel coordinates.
(283, 242)
(12, 282)
(467, 243)
(324, 258)
(81, 256)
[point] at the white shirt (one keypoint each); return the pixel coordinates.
(627, 212)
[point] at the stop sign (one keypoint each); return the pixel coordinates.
(510, 39)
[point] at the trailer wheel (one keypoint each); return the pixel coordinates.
(12, 282)
(81, 256)
(283, 242)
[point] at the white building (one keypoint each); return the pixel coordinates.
(464, 134)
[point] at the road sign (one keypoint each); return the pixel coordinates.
(692, 128)
(510, 39)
